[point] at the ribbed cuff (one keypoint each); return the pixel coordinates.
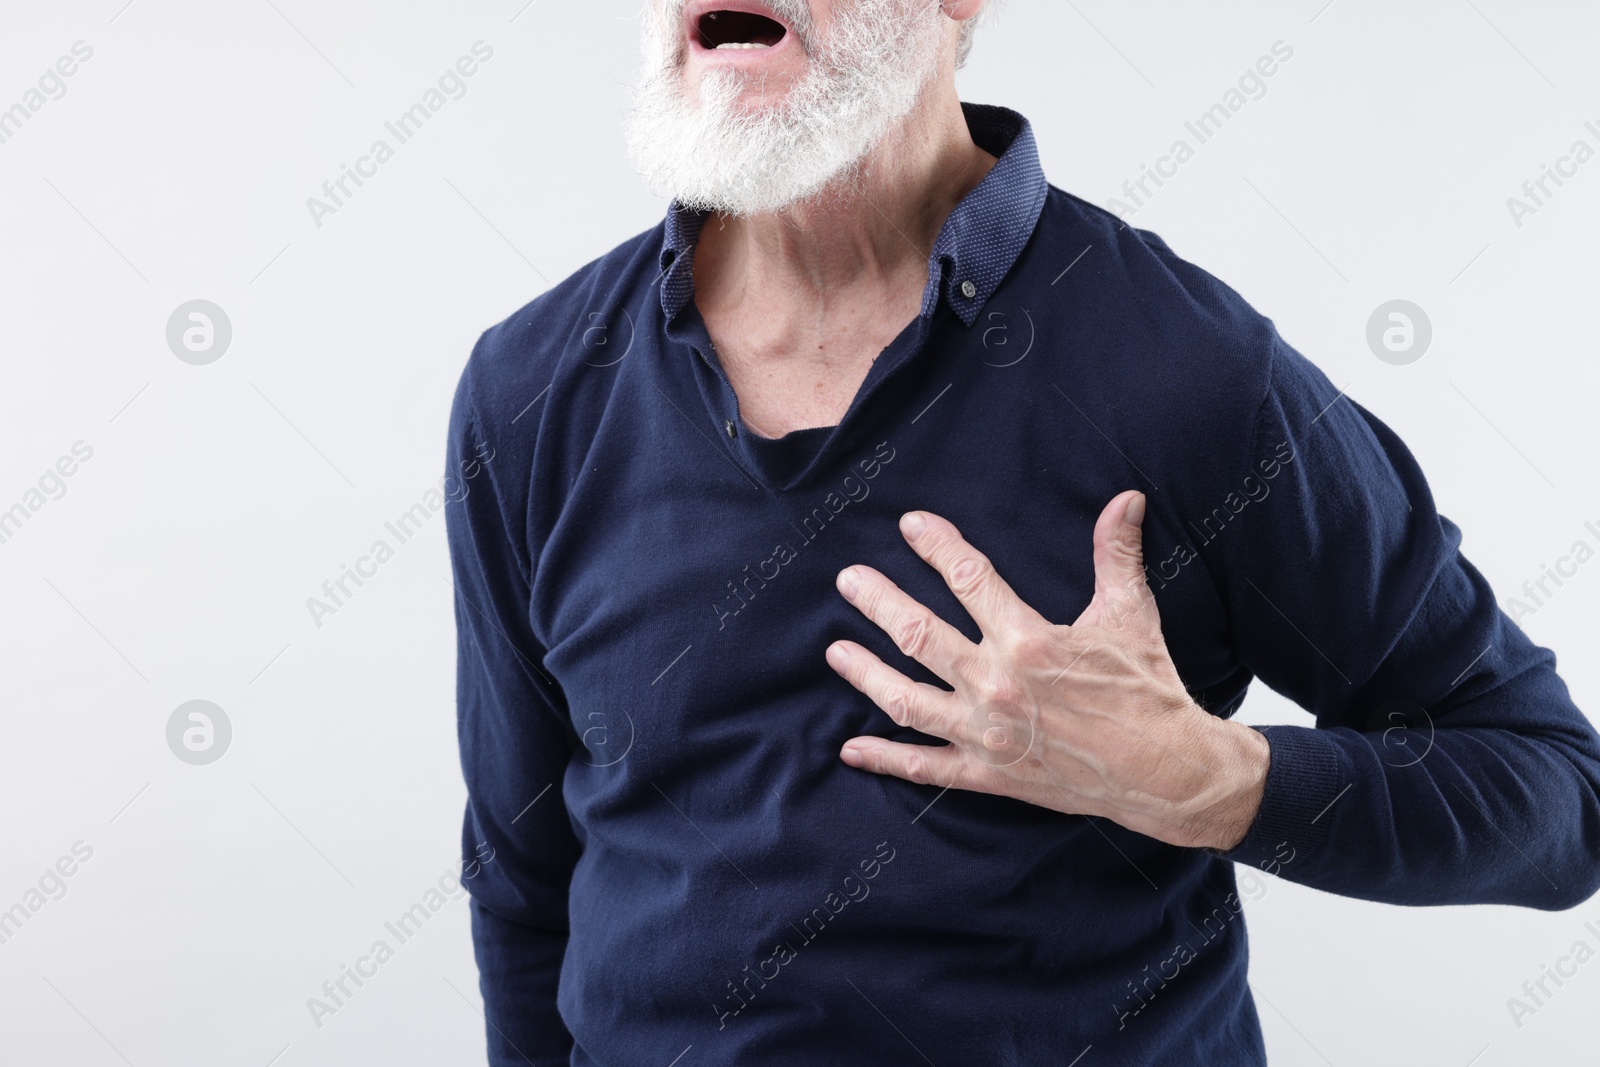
(1305, 776)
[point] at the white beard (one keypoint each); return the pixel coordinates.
(718, 155)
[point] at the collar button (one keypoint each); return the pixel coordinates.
(968, 290)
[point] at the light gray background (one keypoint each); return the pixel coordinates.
(220, 497)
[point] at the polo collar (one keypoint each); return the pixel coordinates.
(976, 248)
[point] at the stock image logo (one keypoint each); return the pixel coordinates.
(1407, 732)
(604, 738)
(999, 732)
(198, 732)
(1000, 347)
(606, 339)
(1399, 332)
(199, 332)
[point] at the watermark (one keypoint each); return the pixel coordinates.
(1253, 489)
(1408, 732)
(1212, 927)
(602, 738)
(50, 886)
(1537, 192)
(51, 485)
(337, 592)
(853, 889)
(451, 85)
(450, 886)
(999, 351)
(199, 332)
(602, 338)
(855, 489)
(1536, 992)
(1537, 592)
(199, 732)
(999, 732)
(1399, 332)
(1252, 85)
(51, 85)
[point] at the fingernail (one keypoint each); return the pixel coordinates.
(849, 582)
(912, 525)
(1135, 513)
(852, 756)
(838, 656)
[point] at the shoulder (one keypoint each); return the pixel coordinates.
(516, 361)
(1170, 361)
(501, 448)
(1173, 301)
(1193, 352)
(531, 364)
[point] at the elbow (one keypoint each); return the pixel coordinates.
(1565, 892)
(1571, 874)
(1576, 878)
(1581, 879)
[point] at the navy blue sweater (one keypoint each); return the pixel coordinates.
(667, 857)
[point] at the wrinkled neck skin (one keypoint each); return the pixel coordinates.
(864, 239)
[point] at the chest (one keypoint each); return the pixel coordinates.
(689, 607)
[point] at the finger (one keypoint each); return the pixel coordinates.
(917, 705)
(1122, 597)
(992, 603)
(940, 765)
(915, 630)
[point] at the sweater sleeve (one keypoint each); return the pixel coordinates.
(1448, 765)
(518, 845)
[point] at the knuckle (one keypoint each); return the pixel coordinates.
(969, 576)
(967, 775)
(992, 684)
(999, 691)
(913, 633)
(1106, 658)
(996, 688)
(1126, 548)
(901, 705)
(1029, 647)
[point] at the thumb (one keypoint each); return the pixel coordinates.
(1122, 597)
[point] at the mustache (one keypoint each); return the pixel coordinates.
(797, 13)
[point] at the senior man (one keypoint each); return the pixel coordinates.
(1045, 498)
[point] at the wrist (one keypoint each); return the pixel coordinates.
(1225, 807)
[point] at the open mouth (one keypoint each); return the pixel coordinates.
(724, 30)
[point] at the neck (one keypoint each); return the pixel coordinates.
(874, 228)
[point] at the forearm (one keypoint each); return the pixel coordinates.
(519, 968)
(1449, 764)
(1487, 816)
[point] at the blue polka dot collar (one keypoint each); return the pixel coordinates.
(976, 247)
